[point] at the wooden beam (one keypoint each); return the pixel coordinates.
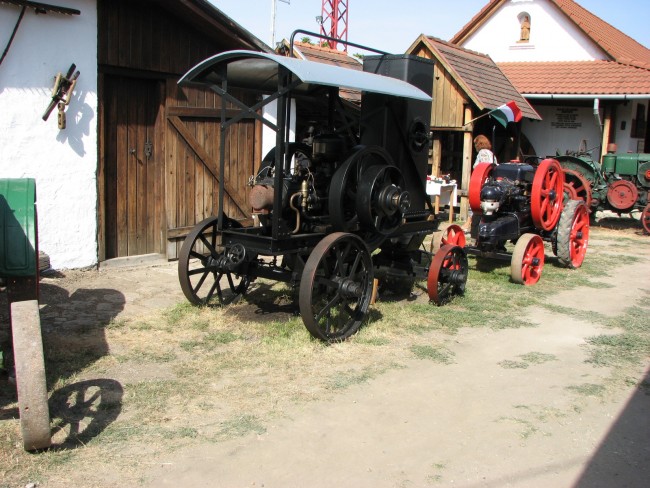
(202, 112)
(467, 167)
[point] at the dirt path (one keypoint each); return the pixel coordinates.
(518, 407)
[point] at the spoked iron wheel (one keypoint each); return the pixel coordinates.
(203, 277)
(645, 219)
(447, 274)
(527, 260)
(454, 235)
(577, 187)
(546, 194)
(573, 234)
(336, 287)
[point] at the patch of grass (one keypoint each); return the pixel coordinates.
(436, 354)
(538, 357)
(178, 313)
(239, 426)
(587, 389)
(146, 356)
(507, 364)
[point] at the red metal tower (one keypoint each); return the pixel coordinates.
(335, 21)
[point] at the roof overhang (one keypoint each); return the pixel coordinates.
(258, 71)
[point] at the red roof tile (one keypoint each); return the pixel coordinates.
(578, 77)
(328, 56)
(615, 43)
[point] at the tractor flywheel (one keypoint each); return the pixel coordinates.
(546, 194)
(622, 195)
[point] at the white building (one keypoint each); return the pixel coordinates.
(589, 81)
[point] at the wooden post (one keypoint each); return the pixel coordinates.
(467, 164)
(436, 156)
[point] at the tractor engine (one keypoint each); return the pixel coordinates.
(505, 203)
(304, 201)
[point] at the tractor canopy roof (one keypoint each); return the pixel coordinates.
(259, 71)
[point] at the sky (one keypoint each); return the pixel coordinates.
(393, 25)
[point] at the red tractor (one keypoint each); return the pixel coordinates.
(523, 204)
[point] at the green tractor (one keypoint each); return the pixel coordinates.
(621, 184)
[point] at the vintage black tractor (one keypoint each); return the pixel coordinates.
(621, 184)
(338, 213)
(523, 204)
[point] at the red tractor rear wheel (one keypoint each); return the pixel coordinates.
(573, 234)
(527, 260)
(546, 194)
(645, 219)
(577, 186)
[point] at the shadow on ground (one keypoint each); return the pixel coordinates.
(623, 457)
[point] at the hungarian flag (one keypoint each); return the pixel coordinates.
(508, 112)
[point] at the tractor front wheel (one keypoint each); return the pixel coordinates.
(527, 260)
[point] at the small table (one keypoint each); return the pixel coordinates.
(445, 193)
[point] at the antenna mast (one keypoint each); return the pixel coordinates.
(335, 21)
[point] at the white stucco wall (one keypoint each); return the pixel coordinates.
(564, 129)
(552, 36)
(63, 162)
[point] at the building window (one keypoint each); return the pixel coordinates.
(524, 27)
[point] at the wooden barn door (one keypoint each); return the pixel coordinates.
(133, 166)
(193, 173)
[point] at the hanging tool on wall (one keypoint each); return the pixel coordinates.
(61, 94)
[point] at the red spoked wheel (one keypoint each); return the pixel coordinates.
(454, 235)
(476, 182)
(573, 234)
(622, 195)
(447, 274)
(527, 260)
(546, 194)
(577, 187)
(645, 219)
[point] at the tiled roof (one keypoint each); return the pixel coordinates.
(484, 82)
(578, 77)
(617, 45)
(327, 56)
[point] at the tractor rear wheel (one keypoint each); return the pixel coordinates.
(645, 219)
(573, 234)
(336, 287)
(527, 260)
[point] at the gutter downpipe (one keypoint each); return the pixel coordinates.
(599, 122)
